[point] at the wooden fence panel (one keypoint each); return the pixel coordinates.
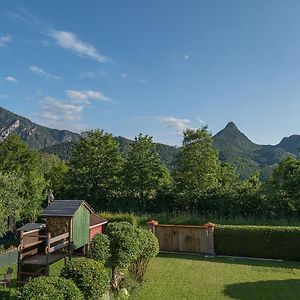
(184, 238)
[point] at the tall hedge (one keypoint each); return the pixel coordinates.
(280, 242)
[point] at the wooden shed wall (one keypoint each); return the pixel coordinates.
(94, 230)
(81, 224)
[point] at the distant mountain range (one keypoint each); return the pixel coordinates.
(232, 144)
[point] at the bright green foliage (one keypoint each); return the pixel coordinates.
(55, 171)
(16, 157)
(90, 276)
(95, 168)
(49, 288)
(124, 243)
(258, 241)
(100, 248)
(120, 217)
(197, 166)
(282, 189)
(150, 249)
(143, 172)
(11, 202)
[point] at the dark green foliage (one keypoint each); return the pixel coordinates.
(90, 276)
(197, 169)
(95, 169)
(49, 288)
(62, 150)
(143, 172)
(150, 249)
(100, 248)
(120, 217)
(258, 241)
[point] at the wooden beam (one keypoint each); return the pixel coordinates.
(59, 237)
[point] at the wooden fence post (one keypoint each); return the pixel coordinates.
(151, 225)
(210, 237)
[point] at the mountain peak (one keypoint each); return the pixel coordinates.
(231, 125)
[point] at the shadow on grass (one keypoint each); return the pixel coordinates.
(234, 261)
(264, 290)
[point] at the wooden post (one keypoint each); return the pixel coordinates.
(210, 237)
(20, 257)
(47, 252)
(151, 225)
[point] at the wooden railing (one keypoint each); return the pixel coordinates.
(53, 245)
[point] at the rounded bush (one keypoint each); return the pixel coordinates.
(100, 248)
(48, 288)
(125, 243)
(90, 276)
(150, 248)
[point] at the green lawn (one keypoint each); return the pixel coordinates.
(192, 277)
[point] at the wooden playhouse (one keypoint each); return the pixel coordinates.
(69, 226)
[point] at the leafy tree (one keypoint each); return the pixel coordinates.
(11, 202)
(197, 169)
(95, 168)
(15, 156)
(55, 173)
(282, 188)
(143, 172)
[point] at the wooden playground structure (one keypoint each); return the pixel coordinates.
(69, 226)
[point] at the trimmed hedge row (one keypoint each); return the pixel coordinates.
(281, 242)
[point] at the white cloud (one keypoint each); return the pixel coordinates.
(85, 95)
(70, 41)
(55, 110)
(175, 123)
(3, 96)
(41, 72)
(202, 122)
(5, 39)
(11, 79)
(124, 75)
(186, 56)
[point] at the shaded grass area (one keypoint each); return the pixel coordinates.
(192, 277)
(4, 292)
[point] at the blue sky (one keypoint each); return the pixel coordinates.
(154, 67)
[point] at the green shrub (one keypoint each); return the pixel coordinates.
(48, 288)
(100, 248)
(124, 242)
(126, 246)
(120, 217)
(280, 242)
(90, 276)
(150, 249)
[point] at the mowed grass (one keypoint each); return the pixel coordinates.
(192, 277)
